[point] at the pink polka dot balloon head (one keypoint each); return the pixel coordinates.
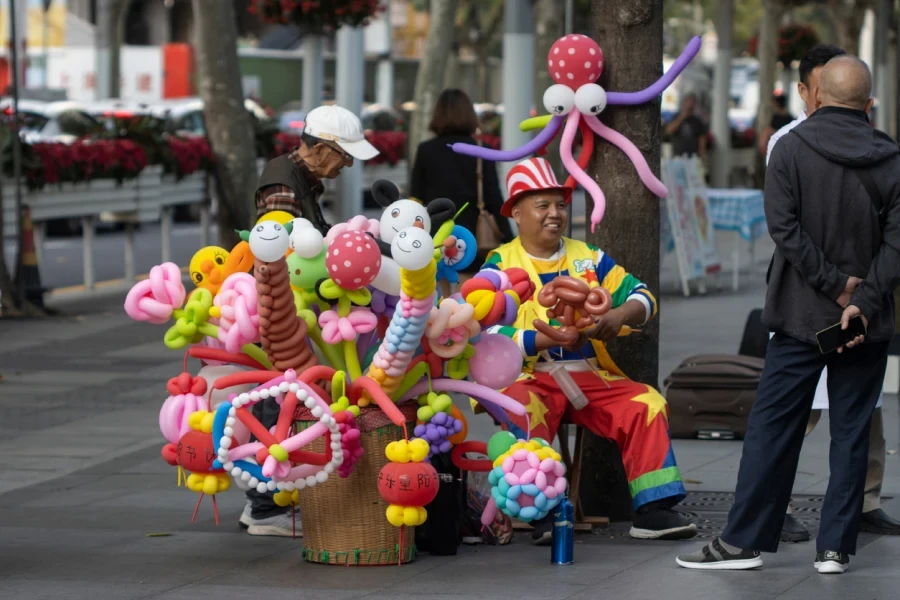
(353, 260)
(574, 60)
(497, 362)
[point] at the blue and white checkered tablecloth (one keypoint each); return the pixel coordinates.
(731, 210)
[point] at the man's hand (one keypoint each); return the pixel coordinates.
(852, 284)
(609, 325)
(850, 312)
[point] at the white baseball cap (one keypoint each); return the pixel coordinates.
(339, 125)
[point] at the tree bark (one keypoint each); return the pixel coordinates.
(767, 52)
(549, 26)
(848, 16)
(117, 11)
(430, 76)
(7, 288)
(227, 121)
(630, 33)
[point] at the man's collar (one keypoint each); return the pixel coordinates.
(311, 179)
(842, 110)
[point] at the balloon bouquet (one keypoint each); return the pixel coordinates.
(330, 326)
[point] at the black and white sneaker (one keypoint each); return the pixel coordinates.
(713, 557)
(543, 533)
(831, 562)
(662, 524)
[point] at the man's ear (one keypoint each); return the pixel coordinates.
(869, 105)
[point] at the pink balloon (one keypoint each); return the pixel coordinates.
(565, 152)
(497, 362)
(637, 159)
(490, 511)
(490, 397)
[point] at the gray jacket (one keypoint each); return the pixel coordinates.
(826, 227)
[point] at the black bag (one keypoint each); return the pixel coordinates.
(441, 533)
(710, 395)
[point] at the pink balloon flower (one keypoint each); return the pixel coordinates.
(336, 329)
(156, 298)
(239, 316)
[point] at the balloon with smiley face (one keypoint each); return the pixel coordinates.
(412, 249)
(268, 240)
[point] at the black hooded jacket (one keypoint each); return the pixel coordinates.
(826, 227)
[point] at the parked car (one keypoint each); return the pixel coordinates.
(61, 121)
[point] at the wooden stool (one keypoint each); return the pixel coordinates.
(573, 472)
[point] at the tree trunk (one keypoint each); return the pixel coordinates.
(7, 288)
(227, 121)
(848, 16)
(549, 26)
(430, 77)
(630, 33)
(117, 13)
(767, 51)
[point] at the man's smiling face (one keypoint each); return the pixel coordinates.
(542, 216)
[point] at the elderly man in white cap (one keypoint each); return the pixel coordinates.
(332, 138)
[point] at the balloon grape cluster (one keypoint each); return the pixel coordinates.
(437, 430)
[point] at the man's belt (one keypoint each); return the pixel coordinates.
(573, 366)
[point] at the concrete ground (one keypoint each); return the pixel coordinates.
(83, 485)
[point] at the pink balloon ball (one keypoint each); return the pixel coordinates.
(528, 477)
(497, 362)
(540, 480)
(353, 260)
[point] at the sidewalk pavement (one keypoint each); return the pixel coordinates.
(84, 484)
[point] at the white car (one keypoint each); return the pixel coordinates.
(60, 121)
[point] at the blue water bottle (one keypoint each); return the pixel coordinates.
(562, 548)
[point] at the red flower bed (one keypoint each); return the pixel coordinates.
(391, 146)
(188, 155)
(317, 15)
(84, 160)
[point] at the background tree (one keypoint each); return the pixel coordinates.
(430, 76)
(630, 32)
(549, 26)
(227, 121)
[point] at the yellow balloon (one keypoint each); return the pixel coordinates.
(394, 515)
(279, 216)
(411, 516)
(207, 268)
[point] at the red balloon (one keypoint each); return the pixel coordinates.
(195, 452)
(575, 60)
(408, 484)
(353, 260)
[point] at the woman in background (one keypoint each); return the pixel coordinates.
(439, 172)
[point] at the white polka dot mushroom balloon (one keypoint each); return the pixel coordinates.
(353, 260)
(575, 62)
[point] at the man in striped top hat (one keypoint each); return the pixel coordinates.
(632, 414)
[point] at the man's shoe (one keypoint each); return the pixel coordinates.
(831, 562)
(793, 530)
(713, 557)
(279, 525)
(245, 520)
(542, 534)
(878, 521)
(662, 524)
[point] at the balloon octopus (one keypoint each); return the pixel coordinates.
(575, 62)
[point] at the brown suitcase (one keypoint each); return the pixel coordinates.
(710, 395)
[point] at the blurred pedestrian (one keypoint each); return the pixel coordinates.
(332, 138)
(833, 211)
(688, 131)
(781, 117)
(439, 172)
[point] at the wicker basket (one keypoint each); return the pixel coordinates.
(344, 520)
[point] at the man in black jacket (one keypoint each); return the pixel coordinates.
(832, 208)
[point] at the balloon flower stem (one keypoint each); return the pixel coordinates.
(257, 354)
(351, 357)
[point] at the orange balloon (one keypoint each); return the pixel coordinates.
(240, 260)
(460, 437)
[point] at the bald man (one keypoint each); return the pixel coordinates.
(832, 208)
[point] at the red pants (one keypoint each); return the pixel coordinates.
(633, 415)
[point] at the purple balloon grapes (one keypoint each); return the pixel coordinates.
(437, 430)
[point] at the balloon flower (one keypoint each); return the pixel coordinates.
(575, 62)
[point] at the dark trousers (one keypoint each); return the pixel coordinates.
(262, 506)
(775, 435)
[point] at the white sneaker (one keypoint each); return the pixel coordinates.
(245, 520)
(283, 525)
(831, 562)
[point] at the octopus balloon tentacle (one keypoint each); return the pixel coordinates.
(640, 163)
(565, 152)
(587, 149)
(668, 78)
(539, 141)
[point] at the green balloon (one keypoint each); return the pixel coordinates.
(425, 413)
(442, 403)
(499, 443)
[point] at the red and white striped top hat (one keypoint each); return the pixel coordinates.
(531, 175)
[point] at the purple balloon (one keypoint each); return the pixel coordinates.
(539, 141)
(419, 431)
(491, 275)
(646, 95)
(439, 418)
(445, 446)
(510, 312)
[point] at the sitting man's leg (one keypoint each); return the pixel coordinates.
(635, 417)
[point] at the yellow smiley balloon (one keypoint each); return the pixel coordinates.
(279, 216)
(207, 268)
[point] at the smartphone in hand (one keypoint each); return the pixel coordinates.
(834, 337)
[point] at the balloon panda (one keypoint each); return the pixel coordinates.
(400, 214)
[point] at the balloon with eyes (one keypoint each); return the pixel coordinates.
(268, 240)
(575, 62)
(207, 268)
(306, 263)
(400, 214)
(458, 250)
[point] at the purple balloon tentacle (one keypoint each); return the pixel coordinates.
(539, 141)
(646, 95)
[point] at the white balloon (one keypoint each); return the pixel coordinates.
(269, 241)
(413, 249)
(401, 215)
(388, 278)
